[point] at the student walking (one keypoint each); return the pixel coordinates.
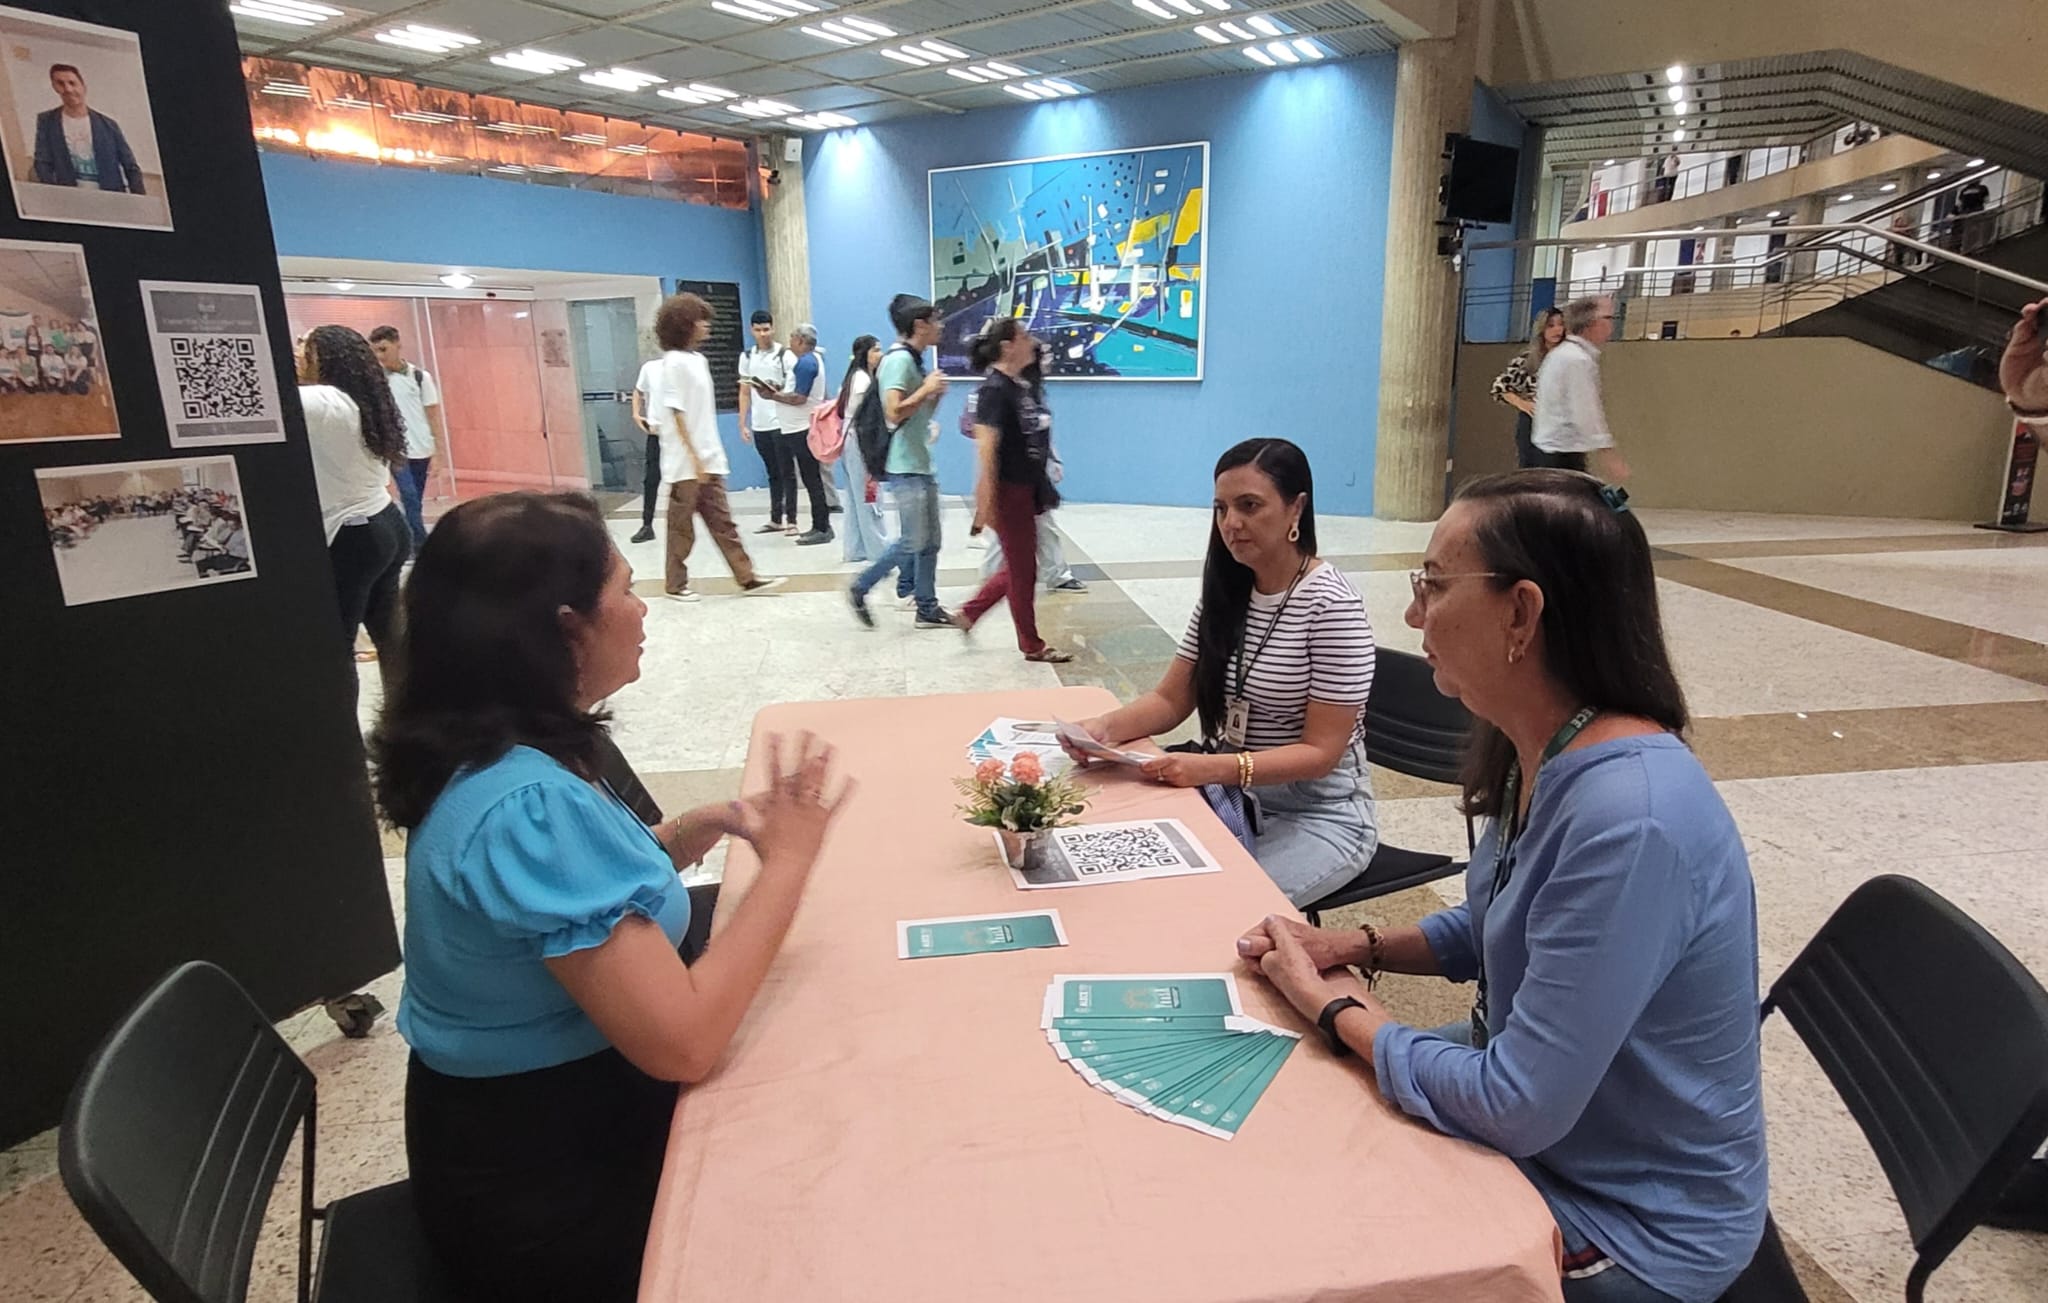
(909, 397)
(864, 539)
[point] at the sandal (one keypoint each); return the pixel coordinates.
(1050, 656)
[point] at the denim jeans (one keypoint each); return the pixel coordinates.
(411, 479)
(915, 552)
(863, 539)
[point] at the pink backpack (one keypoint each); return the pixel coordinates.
(828, 433)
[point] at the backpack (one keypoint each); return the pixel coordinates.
(870, 426)
(828, 433)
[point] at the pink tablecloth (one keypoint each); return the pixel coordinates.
(900, 1130)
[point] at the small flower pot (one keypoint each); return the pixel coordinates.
(1024, 851)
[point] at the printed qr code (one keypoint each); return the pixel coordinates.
(1094, 852)
(217, 376)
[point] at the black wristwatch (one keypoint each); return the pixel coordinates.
(1327, 1020)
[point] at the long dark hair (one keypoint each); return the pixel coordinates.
(484, 662)
(856, 364)
(343, 358)
(1603, 637)
(1227, 582)
(987, 347)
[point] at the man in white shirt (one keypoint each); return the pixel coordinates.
(647, 409)
(765, 375)
(693, 461)
(419, 405)
(1571, 420)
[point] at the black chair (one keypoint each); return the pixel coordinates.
(1937, 1040)
(172, 1141)
(617, 773)
(1412, 729)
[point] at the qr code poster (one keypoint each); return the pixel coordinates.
(1113, 852)
(214, 366)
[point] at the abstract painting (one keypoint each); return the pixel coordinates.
(1101, 254)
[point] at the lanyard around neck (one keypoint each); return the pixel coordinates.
(1244, 663)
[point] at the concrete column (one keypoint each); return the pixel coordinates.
(1812, 210)
(786, 236)
(1419, 320)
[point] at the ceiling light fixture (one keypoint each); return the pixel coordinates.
(1211, 35)
(1308, 49)
(762, 109)
(1888, 187)
(457, 280)
(1931, 176)
(1022, 92)
(1678, 135)
(696, 92)
(1975, 162)
(1237, 33)
(943, 50)
(341, 284)
(1681, 108)
(1266, 26)
(426, 40)
(967, 74)
(1185, 6)
(1846, 199)
(1676, 94)
(1154, 8)
(290, 13)
(914, 59)
(870, 26)
(1675, 73)
(1774, 214)
(623, 79)
(536, 61)
(584, 138)
(1608, 163)
(293, 89)
(1218, 5)
(1258, 56)
(1284, 52)
(820, 121)
(777, 10)
(1004, 69)
(834, 36)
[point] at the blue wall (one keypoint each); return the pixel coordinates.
(1490, 274)
(332, 209)
(1297, 210)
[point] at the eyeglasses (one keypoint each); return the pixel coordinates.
(1426, 586)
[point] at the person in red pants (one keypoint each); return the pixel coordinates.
(1013, 431)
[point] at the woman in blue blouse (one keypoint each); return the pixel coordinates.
(1610, 921)
(548, 1011)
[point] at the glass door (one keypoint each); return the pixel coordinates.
(605, 338)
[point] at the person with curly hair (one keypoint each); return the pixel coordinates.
(357, 438)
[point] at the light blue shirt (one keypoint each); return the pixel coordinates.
(1622, 1069)
(519, 861)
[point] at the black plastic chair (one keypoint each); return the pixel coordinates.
(1936, 1039)
(1412, 729)
(172, 1141)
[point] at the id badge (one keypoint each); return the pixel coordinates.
(1237, 721)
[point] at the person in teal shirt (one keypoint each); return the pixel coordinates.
(1609, 921)
(909, 396)
(549, 1013)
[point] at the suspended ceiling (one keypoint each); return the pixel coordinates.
(1092, 45)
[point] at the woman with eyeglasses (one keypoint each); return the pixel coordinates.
(1609, 922)
(1277, 662)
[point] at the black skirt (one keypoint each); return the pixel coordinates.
(538, 1187)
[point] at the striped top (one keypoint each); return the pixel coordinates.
(1321, 649)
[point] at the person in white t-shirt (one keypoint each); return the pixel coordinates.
(419, 406)
(693, 461)
(765, 374)
(646, 410)
(356, 438)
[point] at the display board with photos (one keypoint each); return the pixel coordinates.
(153, 648)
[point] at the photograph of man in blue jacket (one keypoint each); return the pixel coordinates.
(80, 146)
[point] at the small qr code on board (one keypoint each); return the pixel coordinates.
(1118, 850)
(217, 376)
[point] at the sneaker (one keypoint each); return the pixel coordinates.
(1070, 585)
(908, 601)
(937, 618)
(815, 537)
(772, 527)
(646, 535)
(790, 529)
(859, 604)
(760, 586)
(684, 594)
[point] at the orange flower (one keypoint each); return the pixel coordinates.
(1027, 768)
(989, 771)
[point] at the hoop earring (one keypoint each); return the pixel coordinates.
(1294, 532)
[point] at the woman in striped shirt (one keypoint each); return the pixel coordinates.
(1516, 386)
(1277, 662)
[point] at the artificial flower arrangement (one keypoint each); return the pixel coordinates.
(1019, 802)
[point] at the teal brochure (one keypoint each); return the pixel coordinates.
(1140, 1094)
(1230, 1115)
(974, 934)
(1167, 1069)
(1068, 1044)
(1173, 995)
(1190, 1095)
(1111, 1065)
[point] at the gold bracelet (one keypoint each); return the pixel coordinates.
(1372, 956)
(1246, 766)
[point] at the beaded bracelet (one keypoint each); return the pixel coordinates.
(1372, 956)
